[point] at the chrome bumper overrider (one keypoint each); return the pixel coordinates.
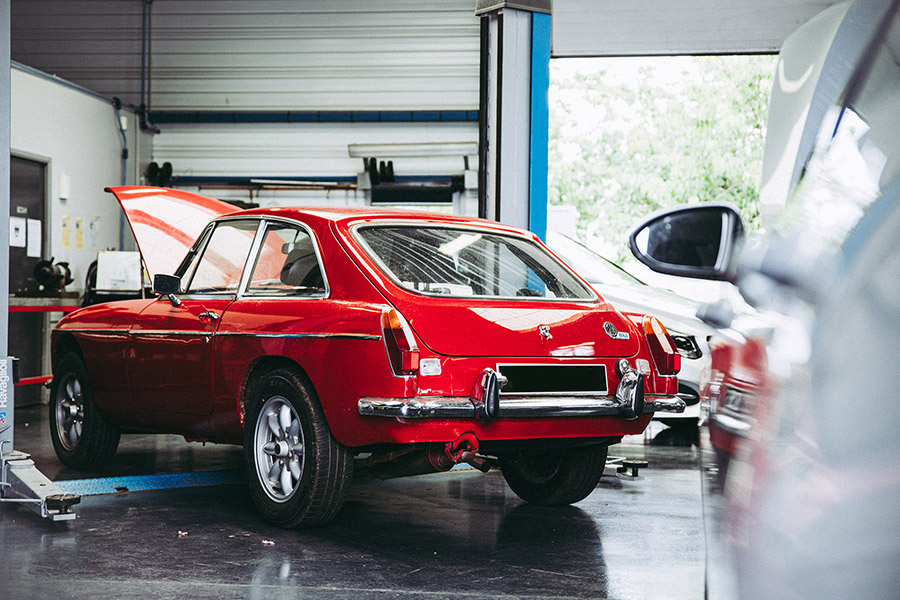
(512, 406)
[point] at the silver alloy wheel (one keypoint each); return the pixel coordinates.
(279, 448)
(69, 412)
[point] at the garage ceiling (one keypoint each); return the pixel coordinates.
(345, 55)
(660, 27)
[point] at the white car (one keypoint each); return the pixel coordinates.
(629, 294)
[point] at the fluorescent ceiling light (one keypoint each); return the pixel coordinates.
(413, 150)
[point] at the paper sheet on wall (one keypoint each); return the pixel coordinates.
(35, 239)
(66, 232)
(79, 233)
(17, 232)
(93, 233)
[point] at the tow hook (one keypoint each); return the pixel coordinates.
(464, 449)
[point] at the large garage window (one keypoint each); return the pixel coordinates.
(469, 263)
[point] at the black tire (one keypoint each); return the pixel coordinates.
(298, 473)
(554, 477)
(82, 437)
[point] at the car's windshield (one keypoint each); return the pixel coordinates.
(468, 262)
(587, 263)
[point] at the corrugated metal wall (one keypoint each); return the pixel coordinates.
(260, 55)
(352, 55)
(303, 149)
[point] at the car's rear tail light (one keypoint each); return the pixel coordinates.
(662, 347)
(401, 345)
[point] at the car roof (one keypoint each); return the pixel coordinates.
(353, 214)
(166, 221)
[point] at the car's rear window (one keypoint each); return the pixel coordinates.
(468, 262)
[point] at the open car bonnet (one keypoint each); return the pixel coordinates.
(165, 222)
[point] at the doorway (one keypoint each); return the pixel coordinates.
(27, 231)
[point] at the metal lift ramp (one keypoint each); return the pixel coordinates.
(20, 481)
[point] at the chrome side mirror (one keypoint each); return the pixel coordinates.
(168, 285)
(696, 241)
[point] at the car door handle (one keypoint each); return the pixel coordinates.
(208, 317)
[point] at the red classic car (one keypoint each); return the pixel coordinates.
(328, 339)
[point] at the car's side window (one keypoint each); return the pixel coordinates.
(219, 267)
(287, 264)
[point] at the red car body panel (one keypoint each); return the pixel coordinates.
(738, 376)
(164, 368)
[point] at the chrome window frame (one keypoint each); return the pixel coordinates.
(257, 247)
(200, 251)
(262, 223)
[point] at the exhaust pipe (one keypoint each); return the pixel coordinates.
(417, 460)
(424, 459)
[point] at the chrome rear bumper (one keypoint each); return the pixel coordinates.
(512, 406)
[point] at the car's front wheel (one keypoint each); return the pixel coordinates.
(554, 477)
(299, 474)
(82, 437)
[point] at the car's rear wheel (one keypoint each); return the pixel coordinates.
(554, 477)
(82, 437)
(299, 474)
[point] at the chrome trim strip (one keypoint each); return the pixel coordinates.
(336, 336)
(255, 297)
(560, 406)
(203, 296)
(671, 404)
(418, 408)
(93, 331)
(142, 332)
(426, 407)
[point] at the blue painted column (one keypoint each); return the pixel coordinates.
(540, 123)
(514, 120)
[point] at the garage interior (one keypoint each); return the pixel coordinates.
(279, 103)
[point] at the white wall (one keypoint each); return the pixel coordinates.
(75, 133)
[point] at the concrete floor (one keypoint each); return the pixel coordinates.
(451, 535)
